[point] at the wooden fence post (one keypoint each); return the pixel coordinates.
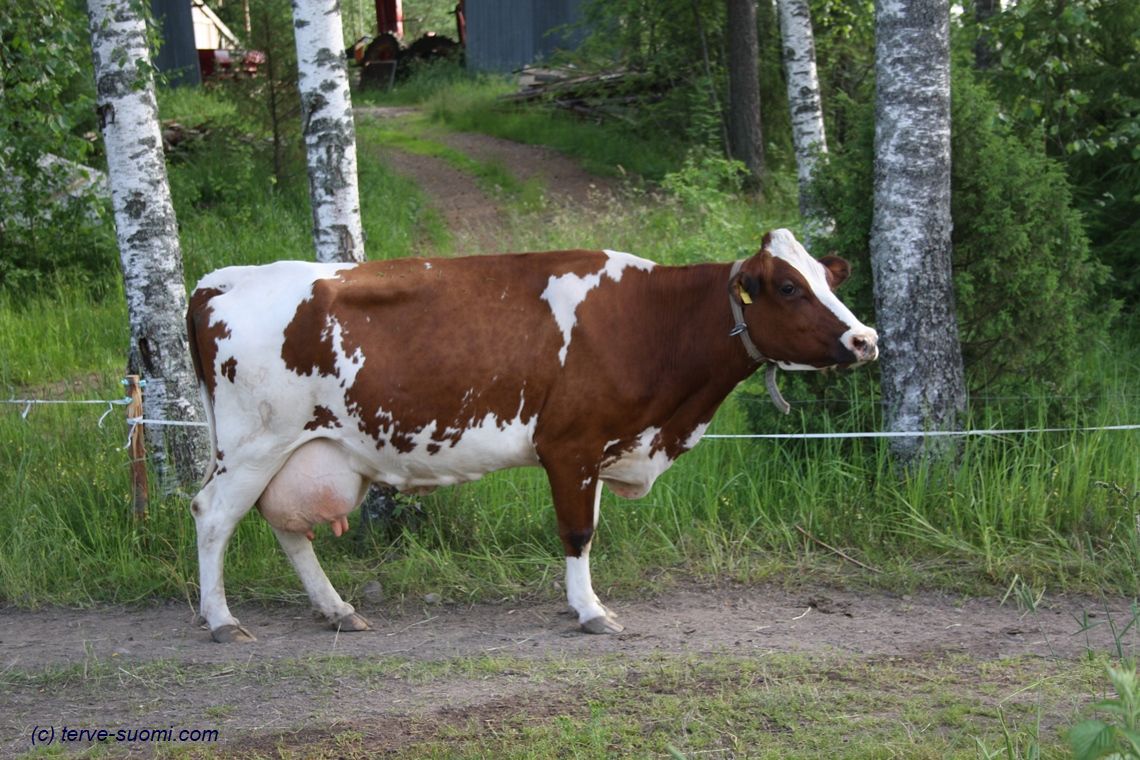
(138, 451)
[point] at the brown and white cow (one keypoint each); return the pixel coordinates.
(598, 366)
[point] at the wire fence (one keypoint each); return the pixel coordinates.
(135, 421)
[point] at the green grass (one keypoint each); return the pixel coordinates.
(603, 148)
(475, 104)
(61, 335)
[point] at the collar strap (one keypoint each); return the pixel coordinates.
(741, 329)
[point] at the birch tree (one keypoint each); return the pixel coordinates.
(921, 360)
(147, 236)
(806, 106)
(329, 132)
(745, 138)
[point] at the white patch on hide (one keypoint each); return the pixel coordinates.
(695, 436)
(633, 473)
(566, 292)
(485, 445)
(783, 245)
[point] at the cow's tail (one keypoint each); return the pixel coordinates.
(203, 389)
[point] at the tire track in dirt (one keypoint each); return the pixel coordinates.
(477, 220)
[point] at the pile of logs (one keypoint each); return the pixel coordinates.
(610, 95)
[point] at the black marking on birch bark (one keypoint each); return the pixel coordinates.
(113, 84)
(329, 58)
(344, 242)
(106, 114)
(135, 206)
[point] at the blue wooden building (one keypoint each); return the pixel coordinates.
(505, 35)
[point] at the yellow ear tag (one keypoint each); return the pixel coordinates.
(744, 297)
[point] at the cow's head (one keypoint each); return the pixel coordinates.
(791, 311)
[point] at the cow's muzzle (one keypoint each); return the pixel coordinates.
(863, 344)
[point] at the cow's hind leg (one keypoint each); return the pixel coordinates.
(341, 615)
(577, 493)
(217, 509)
(316, 485)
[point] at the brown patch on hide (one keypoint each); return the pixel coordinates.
(323, 417)
(204, 336)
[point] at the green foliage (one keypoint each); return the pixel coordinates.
(233, 208)
(706, 181)
(270, 103)
(844, 48)
(1029, 292)
(1119, 739)
(424, 81)
(48, 226)
(674, 53)
(1072, 71)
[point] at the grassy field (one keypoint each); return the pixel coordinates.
(1025, 513)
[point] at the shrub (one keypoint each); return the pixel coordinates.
(53, 220)
(1028, 289)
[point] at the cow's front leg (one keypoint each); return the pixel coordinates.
(577, 494)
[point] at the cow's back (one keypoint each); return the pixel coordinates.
(428, 371)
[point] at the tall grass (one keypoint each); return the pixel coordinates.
(60, 335)
(1056, 510)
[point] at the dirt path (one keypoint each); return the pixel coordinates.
(476, 219)
(118, 667)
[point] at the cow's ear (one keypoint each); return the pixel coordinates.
(838, 270)
(744, 288)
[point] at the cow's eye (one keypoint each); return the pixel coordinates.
(788, 289)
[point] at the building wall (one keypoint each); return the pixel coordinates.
(176, 56)
(505, 35)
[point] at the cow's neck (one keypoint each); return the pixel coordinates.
(699, 362)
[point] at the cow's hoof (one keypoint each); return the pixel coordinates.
(351, 622)
(602, 624)
(229, 634)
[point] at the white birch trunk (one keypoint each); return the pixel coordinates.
(329, 131)
(806, 106)
(921, 360)
(148, 238)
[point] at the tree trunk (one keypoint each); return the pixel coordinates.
(745, 139)
(806, 107)
(923, 384)
(985, 56)
(330, 135)
(148, 238)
